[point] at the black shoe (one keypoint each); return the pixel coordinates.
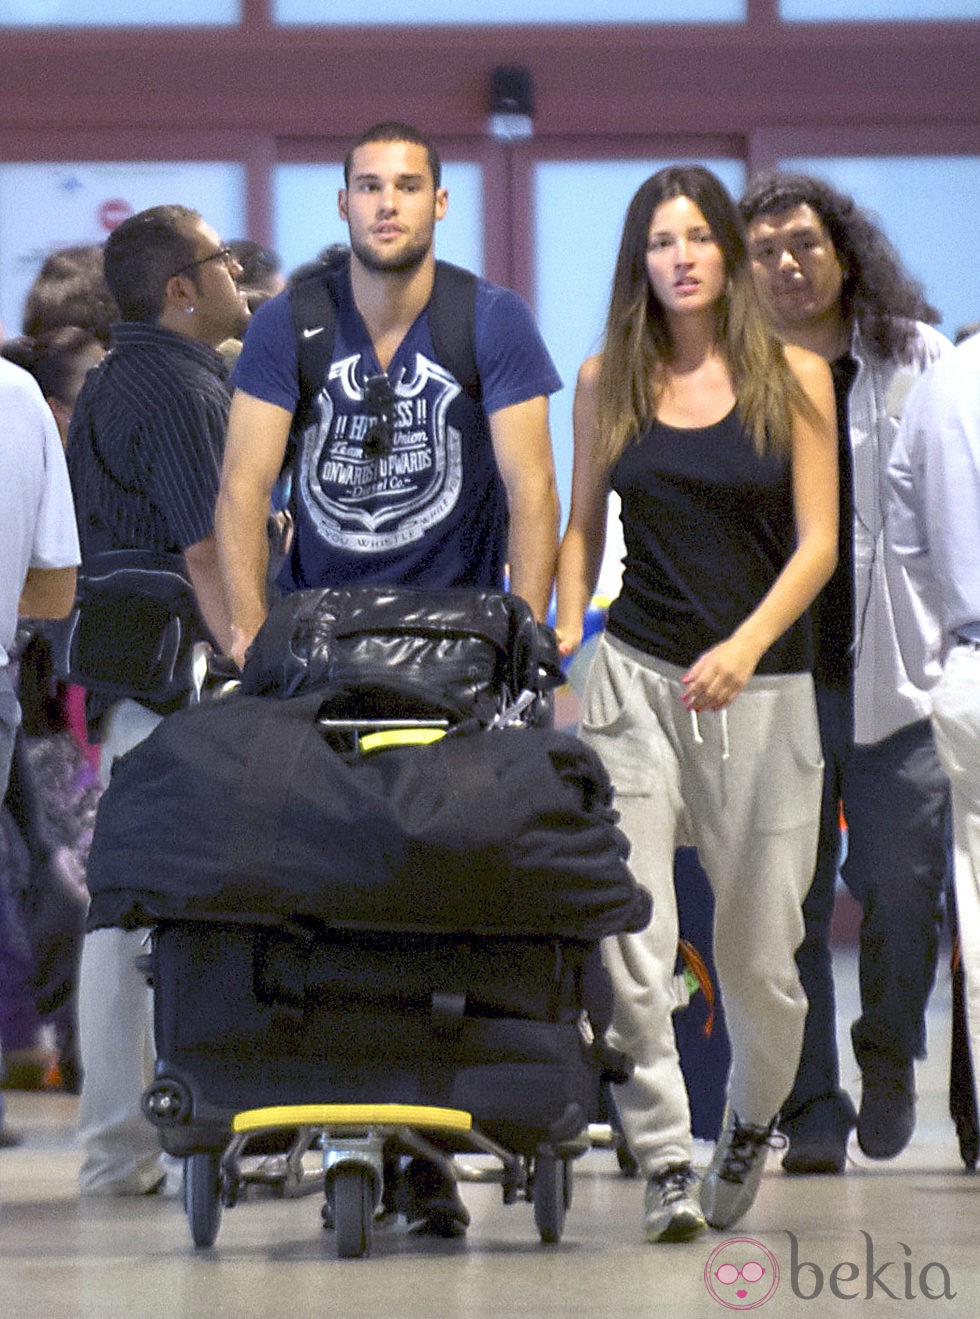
(967, 1136)
(887, 1117)
(818, 1133)
(820, 1153)
(433, 1201)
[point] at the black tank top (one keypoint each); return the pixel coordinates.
(708, 527)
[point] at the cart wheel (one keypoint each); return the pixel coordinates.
(202, 1200)
(353, 1211)
(552, 1194)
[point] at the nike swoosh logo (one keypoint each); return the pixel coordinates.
(308, 334)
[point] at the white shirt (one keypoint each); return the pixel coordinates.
(934, 496)
(889, 622)
(37, 516)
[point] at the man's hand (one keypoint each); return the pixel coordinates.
(47, 593)
(240, 642)
(256, 446)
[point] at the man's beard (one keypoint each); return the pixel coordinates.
(407, 260)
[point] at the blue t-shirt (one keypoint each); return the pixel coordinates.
(433, 511)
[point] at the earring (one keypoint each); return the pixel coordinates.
(190, 310)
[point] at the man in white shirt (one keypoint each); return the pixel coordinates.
(38, 538)
(934, 538)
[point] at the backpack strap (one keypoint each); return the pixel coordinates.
(313, 304)
(452, 324)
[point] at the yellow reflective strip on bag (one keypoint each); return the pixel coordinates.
(400, 737)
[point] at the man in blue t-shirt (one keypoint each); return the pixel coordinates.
(449, 489)
(399, 474)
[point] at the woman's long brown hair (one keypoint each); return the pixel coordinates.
(638, 345)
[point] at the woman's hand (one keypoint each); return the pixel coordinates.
(569, 639)
(716, 677)
(584, 540)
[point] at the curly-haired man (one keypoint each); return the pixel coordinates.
(834, 284)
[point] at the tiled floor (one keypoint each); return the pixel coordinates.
(883, 1235)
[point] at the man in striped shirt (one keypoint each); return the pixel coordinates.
(144, 453)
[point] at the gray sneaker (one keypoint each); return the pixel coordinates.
(671, 1212)
(732, 1180)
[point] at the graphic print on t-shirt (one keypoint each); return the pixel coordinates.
(373, 503)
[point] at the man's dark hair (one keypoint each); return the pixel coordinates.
(70, 289)
(394, 130)
(52, 358)
(333, 256)
(143, 253)
(878, 293)
(260, 266)
(258, 263)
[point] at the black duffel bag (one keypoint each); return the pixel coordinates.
(241, 809)
(466, 652)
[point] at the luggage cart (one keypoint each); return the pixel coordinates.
(353, 1144)
(346, 1042)
(350, 1141)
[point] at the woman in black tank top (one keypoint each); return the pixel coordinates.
(721, 444)
(687, 342)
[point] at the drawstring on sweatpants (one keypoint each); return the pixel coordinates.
(699, 740)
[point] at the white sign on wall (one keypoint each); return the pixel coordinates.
(117, 13)
(457, 12)
(64, 204)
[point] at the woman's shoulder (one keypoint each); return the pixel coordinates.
(809, 367)
(588, 372)
(802, 359)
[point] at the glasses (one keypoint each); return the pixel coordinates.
(224, 254)
(379, 401)
(751, 1272)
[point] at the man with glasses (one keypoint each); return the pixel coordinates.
(144, 454)
(401, 474)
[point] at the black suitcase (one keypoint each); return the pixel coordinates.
(250, 1015)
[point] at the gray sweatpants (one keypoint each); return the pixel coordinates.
(122, 1154)
(743, 786)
